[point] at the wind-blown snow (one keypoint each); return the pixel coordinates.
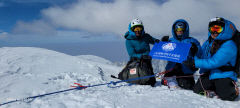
(26, 71)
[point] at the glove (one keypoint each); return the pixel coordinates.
(165, 38)
(144, 57)
(134, 59)
(189, 63)
(194, 48)
(156, 40)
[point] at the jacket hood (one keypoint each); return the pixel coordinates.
(227, 32)
(130, 34)
(186, 32)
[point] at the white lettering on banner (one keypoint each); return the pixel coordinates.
(167, 55)
(171, 51)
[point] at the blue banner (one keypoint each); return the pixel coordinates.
(170, 51)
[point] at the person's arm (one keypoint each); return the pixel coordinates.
(195, 49)
(131, 51)
(151, 39)
(225, 54)
(165, 38)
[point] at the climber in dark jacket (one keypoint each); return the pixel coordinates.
(180, 32)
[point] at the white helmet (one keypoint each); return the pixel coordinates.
(136, 22)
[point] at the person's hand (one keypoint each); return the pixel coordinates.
(165, 38)
(134, 59)
(194, 48)
(189, 63)
(144, 57)
(156, 40)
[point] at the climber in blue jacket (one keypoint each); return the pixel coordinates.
(138, 45)
(218, 57)
(180, 33)
(137, 41)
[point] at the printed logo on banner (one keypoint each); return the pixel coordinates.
(170, 51)
(168, 46)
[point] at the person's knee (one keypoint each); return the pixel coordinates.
(188, 87)
(231, 96)
(226, 89)
(186, 83)
(197, 90)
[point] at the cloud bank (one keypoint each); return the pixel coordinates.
(114, 17)
(3, 34)
(38, 26)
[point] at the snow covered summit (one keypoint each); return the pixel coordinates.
(26, 71)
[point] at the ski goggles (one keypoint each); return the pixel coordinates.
(179, 29)
(137, 29)
(216, 29)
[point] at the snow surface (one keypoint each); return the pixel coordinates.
(27, 71)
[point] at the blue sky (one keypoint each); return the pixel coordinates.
(100, 24)
(12, 11)
(76, 20)
(17, 14)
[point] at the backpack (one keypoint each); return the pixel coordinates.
(217, 44)
(138, 69)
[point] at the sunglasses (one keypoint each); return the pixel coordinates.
(137, 29)
(216, 29)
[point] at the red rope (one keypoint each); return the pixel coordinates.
(166, 71)
(184, 76)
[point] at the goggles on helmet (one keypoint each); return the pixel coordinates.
(137, 29)
(215, 29)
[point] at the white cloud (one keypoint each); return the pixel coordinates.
(114, 17)
(38, 27)
(3, 34)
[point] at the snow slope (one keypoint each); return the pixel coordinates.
(26, 71)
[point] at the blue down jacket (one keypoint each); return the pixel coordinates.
(185, 39)
(136, 47)
(225, 56)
